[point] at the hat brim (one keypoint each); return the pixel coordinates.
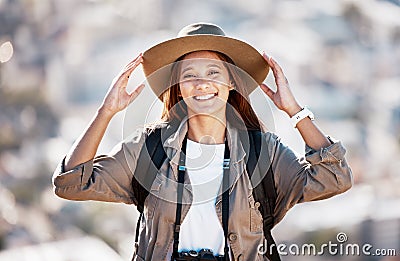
(166, 53)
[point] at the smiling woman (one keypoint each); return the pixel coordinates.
(208, 182)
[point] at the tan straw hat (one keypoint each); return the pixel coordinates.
(200, 37)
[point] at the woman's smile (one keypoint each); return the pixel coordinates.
(205, 97)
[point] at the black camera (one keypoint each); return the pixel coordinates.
(192, 255)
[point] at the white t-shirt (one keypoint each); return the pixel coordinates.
(201, 227)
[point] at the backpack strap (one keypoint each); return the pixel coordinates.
(151, 157)
(265, 191)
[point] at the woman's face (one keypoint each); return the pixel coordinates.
(204, 83)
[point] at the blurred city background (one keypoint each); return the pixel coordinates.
(58, 59)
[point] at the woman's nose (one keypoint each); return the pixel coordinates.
(202, 84)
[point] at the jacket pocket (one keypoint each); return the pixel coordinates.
(256, 220)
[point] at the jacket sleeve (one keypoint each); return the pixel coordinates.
(105, 178)
(319, 175)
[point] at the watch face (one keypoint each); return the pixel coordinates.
(305, 112)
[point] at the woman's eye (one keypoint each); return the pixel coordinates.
(189, 76)
(213, 72)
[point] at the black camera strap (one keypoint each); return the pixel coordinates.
(225, 198)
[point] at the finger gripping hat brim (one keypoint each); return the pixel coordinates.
(201, 37)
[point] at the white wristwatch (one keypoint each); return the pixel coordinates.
(305, 112)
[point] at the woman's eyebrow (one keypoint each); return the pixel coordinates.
(186, 69)
(214, 65)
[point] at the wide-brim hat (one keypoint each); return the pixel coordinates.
(158, 59)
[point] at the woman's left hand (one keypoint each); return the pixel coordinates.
(283, 97)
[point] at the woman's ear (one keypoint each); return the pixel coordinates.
(231, 86)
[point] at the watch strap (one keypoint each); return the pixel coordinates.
(303, 113)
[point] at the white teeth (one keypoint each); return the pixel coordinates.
(204, 97)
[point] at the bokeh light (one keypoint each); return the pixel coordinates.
(6, 51)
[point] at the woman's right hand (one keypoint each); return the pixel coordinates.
(117, 98)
